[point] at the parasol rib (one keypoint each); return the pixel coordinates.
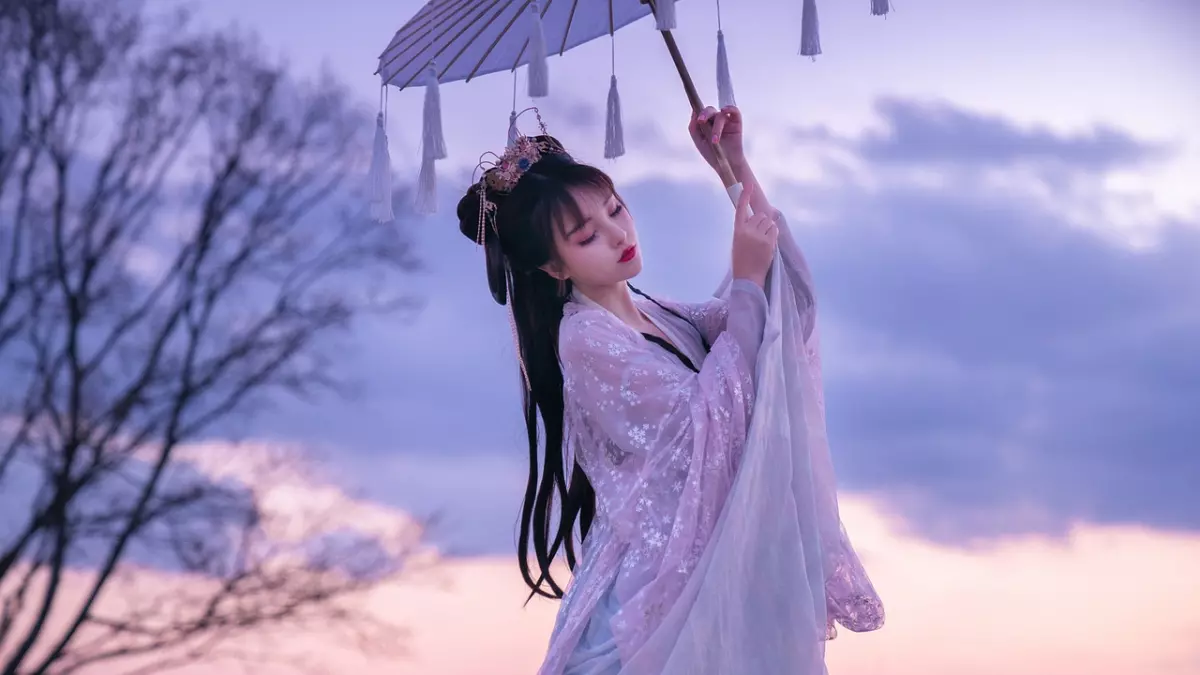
(525, 44)
(482, 11)
(562, 48)
(497, 40)
(470, 41)
(484, 28)
(400, 33)
(407, 40)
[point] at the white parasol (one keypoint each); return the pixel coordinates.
(453, 40)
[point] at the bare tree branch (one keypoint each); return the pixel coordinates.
(177, 248)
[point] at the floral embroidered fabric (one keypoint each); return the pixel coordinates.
(716, 507)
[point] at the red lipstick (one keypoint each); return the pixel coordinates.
(628, 254)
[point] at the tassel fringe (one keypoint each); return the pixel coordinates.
(512, 128)
(539, 70)
(879, 7)
(664, 17)
(433, 145)
(614, 132)
(379, 178)
(426, 202)
(724, 81)
(810, 38)
(433, 142)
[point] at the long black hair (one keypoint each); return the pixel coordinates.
(521, 243)
(516, 249)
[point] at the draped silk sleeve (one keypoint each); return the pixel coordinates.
(660, 444)
(709, 317)
(621, 387)
(778, 569)
(850, 597)
(717, 545)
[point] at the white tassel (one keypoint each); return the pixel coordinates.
(724, 81)
(512, 128)
(433, 143)
(379, 178)
(539, 71)
(879, 7)
(810, 38)
(614, 132)
(426, 202)
(664, 15)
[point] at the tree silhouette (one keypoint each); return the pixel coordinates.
(175, 251)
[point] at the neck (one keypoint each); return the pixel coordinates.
(616, 299)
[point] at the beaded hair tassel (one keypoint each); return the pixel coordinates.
(501, 176)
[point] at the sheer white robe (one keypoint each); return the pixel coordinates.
(717, 546)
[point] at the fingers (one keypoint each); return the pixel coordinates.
(742, 213)
(717, 121)
(730, 111)
(718, 127)
(762, 223)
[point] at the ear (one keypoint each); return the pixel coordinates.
(556, 271)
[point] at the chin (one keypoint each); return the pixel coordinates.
(632, 268)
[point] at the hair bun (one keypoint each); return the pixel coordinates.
(468, 223)
(468, 213)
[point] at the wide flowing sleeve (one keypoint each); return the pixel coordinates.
(777, 570)
(850, 597)
(799, 278)
(661, 445)
(622, 388)
(710, 317)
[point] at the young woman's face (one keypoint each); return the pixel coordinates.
(601, 250)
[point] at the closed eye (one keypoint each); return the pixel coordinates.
(612, 214)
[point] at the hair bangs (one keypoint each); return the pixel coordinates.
(565, 206)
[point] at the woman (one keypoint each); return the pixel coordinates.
(685, 440)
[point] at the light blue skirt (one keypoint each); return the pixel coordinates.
(596, 652)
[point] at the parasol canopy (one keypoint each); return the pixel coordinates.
(458, 40)
(469, 38)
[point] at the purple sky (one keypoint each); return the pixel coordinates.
(999, 202)
(995, 199)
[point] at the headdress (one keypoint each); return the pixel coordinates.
(500, 178)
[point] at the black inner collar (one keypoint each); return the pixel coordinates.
(671, 348)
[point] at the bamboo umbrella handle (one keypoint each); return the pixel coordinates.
(689, 87)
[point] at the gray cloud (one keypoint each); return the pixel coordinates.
(1033, 374)
(644, 136)
(938, 132)
(997, 368)
(574, 113)
(991, 368)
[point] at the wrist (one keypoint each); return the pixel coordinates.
(759, 280)
(741, 170)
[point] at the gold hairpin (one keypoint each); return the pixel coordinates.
(501, 177)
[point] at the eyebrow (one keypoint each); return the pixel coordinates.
(585, 221)
(578, 226)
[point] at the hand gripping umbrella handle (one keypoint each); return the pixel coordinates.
(723, 168)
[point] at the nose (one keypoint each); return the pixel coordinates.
(616, 234)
